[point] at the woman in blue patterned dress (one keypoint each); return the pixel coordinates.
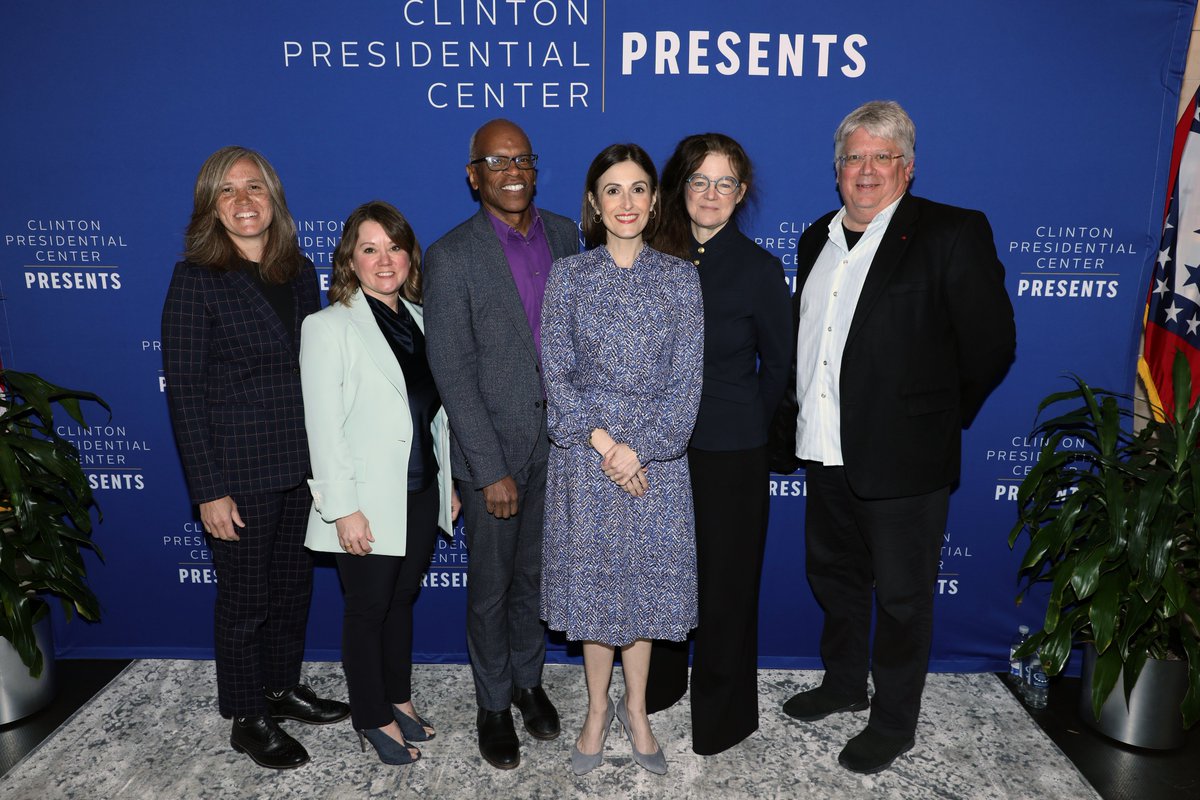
(622, 345)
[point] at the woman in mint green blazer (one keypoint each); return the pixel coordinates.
(375, 428)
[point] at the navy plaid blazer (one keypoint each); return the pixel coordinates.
(233, 381)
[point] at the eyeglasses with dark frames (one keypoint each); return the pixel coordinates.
(500, 163)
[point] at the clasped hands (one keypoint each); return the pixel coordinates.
(620, 463)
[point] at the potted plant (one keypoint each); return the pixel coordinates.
(45, 522)
(1113, 518)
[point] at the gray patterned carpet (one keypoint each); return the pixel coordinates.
(154, 733)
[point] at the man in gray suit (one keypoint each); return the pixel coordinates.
(484, 283)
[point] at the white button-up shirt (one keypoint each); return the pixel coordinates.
(827, 306)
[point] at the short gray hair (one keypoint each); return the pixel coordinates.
(884, 119)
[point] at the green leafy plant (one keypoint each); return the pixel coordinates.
(45, 511)
(1113, 519)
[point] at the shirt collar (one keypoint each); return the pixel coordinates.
(718, 241)
(880, 220)
(505, 231)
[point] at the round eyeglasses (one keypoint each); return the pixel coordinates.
(500, 163)
(726, 184)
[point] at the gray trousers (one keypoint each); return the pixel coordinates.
(505, 636)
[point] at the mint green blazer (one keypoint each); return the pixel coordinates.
(359, 428)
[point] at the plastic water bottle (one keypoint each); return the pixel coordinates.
(1033, 666)
(1016, 666)
(1039, 689)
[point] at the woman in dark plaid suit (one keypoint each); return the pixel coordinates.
(231, 338)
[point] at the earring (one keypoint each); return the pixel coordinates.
(596, 217)
(652, 213)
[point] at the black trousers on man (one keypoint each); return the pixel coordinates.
(880, 555)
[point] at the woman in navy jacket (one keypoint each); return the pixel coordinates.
(747, 347)
(231, 337)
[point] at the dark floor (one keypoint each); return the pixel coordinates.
(78, 681)
(1117, 772)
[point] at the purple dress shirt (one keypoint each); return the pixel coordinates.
(529, 259)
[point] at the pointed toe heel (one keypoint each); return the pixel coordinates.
(583, 763)
(655, 762)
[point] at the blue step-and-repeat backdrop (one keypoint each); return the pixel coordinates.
(1053, 118)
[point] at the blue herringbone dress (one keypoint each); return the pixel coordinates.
(621, 351)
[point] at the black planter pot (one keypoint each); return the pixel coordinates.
(1152, 718)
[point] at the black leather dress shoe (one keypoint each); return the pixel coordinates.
(302, 704)
(872, 751)
(537, 712)
(818, 703)
(498, 742)
(265, 742)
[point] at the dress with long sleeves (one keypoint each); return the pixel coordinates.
(622, 350)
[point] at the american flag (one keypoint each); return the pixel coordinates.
(1173, 303)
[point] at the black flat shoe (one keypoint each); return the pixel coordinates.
(498, 743)
(872, 751)
(302, 704)
(266, 743)
(817, 704)
(537, 712)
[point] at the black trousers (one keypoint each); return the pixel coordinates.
(730, 495)
(264, 584)
(377, 627)
(887, 551)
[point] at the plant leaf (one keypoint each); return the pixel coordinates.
(1104, 678)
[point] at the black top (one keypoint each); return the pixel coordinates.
(747, 340)
(279, 295)
(852, 237)
(408, 343)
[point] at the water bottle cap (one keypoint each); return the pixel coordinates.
(1022, 629)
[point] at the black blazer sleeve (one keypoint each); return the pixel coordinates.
(773, 330)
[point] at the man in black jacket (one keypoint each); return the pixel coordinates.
(903, 327)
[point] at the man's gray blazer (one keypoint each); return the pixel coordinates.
(481, 350)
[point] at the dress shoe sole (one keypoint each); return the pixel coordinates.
(501, 764)
(309, 721)
(861, 705)
(874, 768)
(256, 760)
(542, 737)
